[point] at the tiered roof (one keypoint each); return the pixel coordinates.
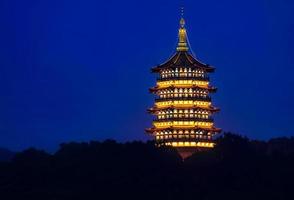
(183, 59)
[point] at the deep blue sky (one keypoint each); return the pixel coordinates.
(77, 70)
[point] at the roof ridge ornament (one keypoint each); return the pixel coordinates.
(182, 35)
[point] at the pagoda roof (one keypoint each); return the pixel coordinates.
(209, 88)
(153, 129)
(183, 59)
(155, 109)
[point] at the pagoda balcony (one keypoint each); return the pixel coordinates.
(184, 138)
(210, 119)
(207, 98)
(205, 78)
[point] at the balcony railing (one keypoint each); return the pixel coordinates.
(209, 119)
(185, 138)
(200, 78)
(199, 98)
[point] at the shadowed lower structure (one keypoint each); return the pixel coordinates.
(183, 109)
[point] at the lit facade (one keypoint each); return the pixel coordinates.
(183, 109)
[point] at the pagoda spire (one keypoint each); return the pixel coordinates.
(182, 35)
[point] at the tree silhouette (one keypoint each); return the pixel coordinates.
(237, 168)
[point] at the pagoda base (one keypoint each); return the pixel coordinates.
(186, 152)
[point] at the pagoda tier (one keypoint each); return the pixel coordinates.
(183, 109)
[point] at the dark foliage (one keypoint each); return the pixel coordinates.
(6, 155)
(237, 168)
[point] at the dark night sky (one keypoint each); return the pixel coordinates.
(78, 70)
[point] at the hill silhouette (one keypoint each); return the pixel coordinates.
(238, 168)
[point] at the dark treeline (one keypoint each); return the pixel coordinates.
(5, 154)
(238, 168)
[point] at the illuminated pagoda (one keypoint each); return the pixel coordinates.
(183, 107)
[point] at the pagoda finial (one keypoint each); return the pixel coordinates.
(182, 43)
(182, 11)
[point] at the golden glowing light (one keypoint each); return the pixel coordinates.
(182, 83)
(190, 144)
(183, 107)
(183, 103)
(182, 44)
(182, 124)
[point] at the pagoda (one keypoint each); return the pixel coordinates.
(183, 109)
